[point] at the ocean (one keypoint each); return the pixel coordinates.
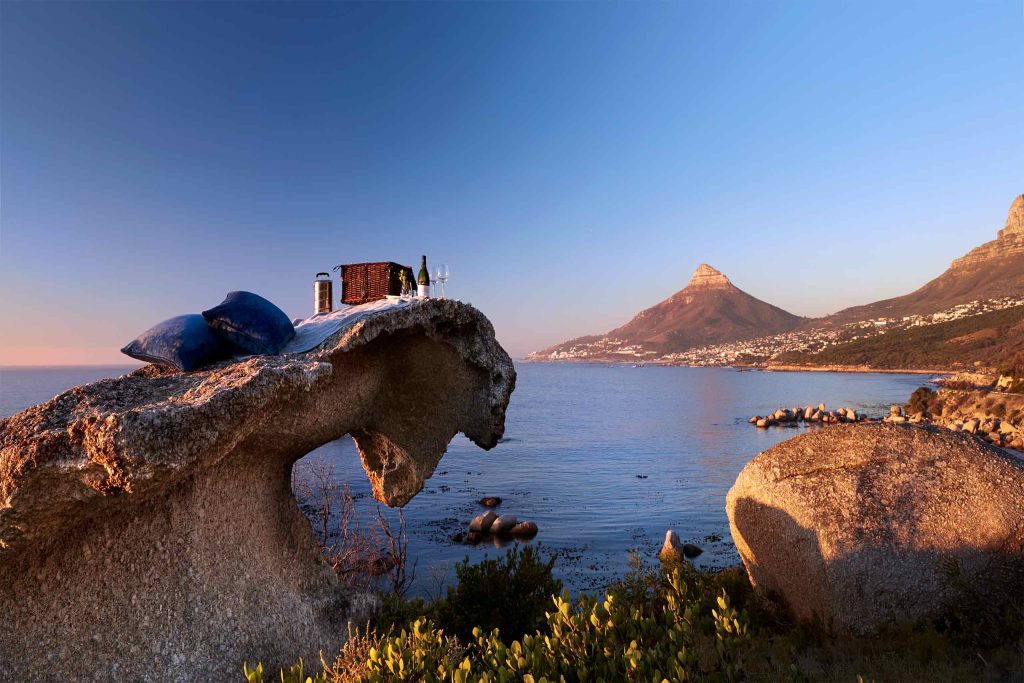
(604, 458)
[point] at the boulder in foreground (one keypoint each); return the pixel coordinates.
(858, 524)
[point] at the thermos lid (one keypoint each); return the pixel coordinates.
(323, 274)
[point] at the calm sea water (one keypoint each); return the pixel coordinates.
(603, 458)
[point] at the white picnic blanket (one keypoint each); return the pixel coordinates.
(312, 332)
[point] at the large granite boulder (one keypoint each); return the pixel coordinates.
(858, 524)
(147, 525)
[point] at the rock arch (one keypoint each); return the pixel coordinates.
(147, 525)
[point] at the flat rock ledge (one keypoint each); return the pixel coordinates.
(858, 525)
(147, 525)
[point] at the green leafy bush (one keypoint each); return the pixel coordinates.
(590, 640)
(296, 674)
(669, 622)
(509, 594)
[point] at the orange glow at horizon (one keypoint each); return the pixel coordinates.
(63, 355)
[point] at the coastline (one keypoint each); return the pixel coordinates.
(860, 369)
(854, 369)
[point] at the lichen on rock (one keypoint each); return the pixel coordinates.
(149, 518)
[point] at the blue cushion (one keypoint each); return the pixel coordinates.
(251, 323)
(184, 342)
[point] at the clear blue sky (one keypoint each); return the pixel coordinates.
(572, 162)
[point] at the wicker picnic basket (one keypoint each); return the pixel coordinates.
(363, 282)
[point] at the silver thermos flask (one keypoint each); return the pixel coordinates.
(322, 293)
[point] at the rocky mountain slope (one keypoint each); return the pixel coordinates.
(709, 310)
(994, 269)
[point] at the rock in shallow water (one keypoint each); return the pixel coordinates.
(504, 524)
(691, 551)
(483, 522)
(855, 523)
(524, 530)
(145, 518)
(672, 548)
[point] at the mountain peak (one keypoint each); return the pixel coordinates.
(706, 277)
(1014, 219)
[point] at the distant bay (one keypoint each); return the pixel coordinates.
(604, 458)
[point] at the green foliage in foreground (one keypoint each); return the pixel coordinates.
(296, 674)
(586, 641)
(673, 623)
(669, 637)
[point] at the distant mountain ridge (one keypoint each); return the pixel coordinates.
(993, 270)
(709, 310)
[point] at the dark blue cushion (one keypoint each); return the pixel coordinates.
(184, 342)
(251, 323)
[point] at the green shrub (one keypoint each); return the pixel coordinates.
(611, 640)
(295, 674)
(676, 623)
(509, 594)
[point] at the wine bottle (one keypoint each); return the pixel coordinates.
(423, 279)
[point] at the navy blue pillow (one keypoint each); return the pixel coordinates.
(184, 342)
(251, 323)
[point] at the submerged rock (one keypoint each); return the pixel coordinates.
(490, 501)
(150, 518)
(691, 551)
(856, 523)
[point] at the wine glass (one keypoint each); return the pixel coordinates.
(442, 277)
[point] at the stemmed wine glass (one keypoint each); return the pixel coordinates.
(441, 274)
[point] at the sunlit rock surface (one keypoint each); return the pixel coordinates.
(859, 524)
(147, 525)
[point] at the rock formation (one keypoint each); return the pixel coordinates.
(856, 522)
(706, 277)
(1009, 241)
(147, 525)
(1014, 220)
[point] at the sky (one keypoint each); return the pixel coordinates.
(572, 163)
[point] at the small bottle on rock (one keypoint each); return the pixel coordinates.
(423, 280)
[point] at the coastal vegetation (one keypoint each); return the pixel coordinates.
(669, 622)
(987, 340)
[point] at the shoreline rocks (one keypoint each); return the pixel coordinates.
(790, 417)
(992, 416)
